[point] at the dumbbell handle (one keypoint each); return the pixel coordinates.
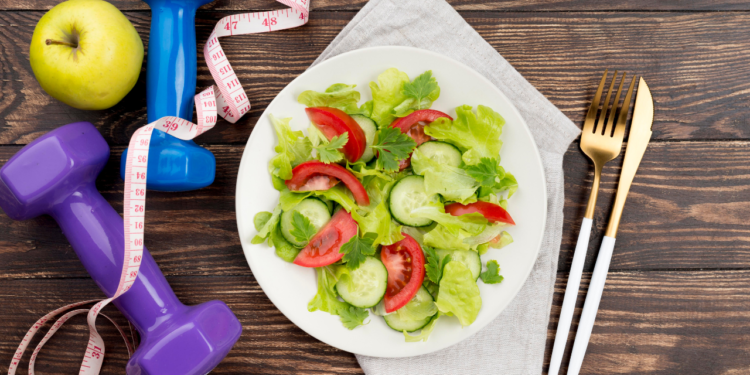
(95, 230)
(172, 65)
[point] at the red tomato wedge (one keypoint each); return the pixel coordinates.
(316, 175)
(404, 261)
(333, 122)
(323, 248)
(492, 212)
(413, 126)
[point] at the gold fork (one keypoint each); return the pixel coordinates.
(601, 141)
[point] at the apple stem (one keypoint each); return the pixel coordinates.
(57, 42)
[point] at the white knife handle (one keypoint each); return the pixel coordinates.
(591, 306)
(571, 294)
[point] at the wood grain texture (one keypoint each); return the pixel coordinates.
(476, 5)
(687, 210)
(663, 323)
(270, 343)
(648, 323)
(699, 80)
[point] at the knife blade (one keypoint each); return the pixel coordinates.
(640, 135)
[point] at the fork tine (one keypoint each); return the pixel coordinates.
(601, 127)
(616, 105)
(620, 127)
(588, 124)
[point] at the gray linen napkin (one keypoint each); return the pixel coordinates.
(513, 343)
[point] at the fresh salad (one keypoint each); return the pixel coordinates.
(393, 203)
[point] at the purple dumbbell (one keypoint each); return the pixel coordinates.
(56, 175)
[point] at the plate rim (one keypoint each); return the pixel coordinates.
(525, 127)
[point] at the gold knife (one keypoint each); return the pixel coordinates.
(640, 135)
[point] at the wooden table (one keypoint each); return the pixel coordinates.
(676, 300)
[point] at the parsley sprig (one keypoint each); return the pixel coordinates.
(302, 228)
(392, 146)
(353, 317)
(486, 172)
(420, 89)
(357, 249)
(492, 275)
(329, 152)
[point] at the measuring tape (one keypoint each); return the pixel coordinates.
(231, 103)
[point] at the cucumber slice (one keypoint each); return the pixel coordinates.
(369, 128)
(441, 152)
(313, 209)
(407, 195)
(366, 285)
(469, 258)
(395, 321)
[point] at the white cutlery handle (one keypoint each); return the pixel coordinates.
(571, 294)
(591, 306)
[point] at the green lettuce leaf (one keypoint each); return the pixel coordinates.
(265, 224)
(260, 220)
(441, 237)
(387, 94)
(477, 135)
(360, 170)
(424, 333)
(454, 184)
(505, 240)
(376, 218)
(283, 248)
(488, 234)
(416, 233)
(289, 199)
(326, 299)
(293, 148)
(340, 96)
(459, 293)
(339, 194)
(472, 223)
(417, 310)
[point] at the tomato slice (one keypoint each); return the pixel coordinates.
(404, 261)
(323, 248)
(316, 175)
(413, 126)
(333, 122)
(492, 212)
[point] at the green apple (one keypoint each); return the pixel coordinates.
(86, 54)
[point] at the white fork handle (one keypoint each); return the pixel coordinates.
(571, 294)
(591, 306)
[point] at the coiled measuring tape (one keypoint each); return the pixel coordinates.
(231, 103)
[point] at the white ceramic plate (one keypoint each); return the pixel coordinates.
(290, 287)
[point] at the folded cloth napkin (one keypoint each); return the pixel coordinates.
(514, 343)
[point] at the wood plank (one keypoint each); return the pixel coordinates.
(699, 78)
(648, 323)
(270, 343)
(663, 323)
(687, 207)
(464, 5)
(684, 212)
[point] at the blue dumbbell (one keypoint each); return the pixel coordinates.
(174, 164)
